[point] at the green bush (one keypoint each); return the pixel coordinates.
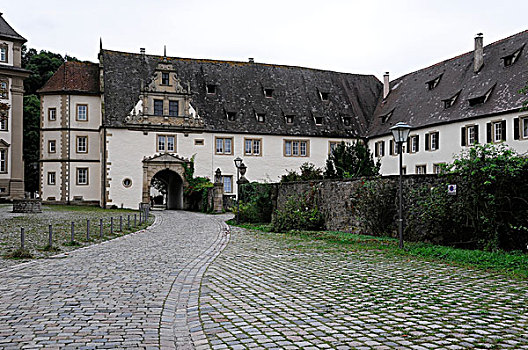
(308, 172)
(299, 213)
(374, 207)
(256, 205)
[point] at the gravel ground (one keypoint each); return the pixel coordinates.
(36, 228)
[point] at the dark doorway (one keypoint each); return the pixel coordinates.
(169, 185)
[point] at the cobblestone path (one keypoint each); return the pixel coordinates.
(139, 291)
(269, 291)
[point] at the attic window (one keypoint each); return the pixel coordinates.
(289, 119)
(324, 95)
(261, 117)
(231, 116)
(318, 120)
(385, 118)
(433, 83)
(511, 59)
(164, 78)
(211, 89)
(268, 93)
(475, 101)
(347, 121)
(450, 101)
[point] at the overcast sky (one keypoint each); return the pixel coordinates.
(365, 37)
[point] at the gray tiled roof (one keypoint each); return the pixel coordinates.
(240, 88)
(413, 103)
(7, 32)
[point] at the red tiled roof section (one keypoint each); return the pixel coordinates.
(74, 77)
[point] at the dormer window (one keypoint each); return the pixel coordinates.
(324, 95)
(385, 118)
(433, 83)
(511, 59)
(289, 119)
(268, 93)
(318, 120)
(164, 78)
(231, 116)
(261, 117)
(450, 101)
(210, 89)
(475, 101)
(347, 121)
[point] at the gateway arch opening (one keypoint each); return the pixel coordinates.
(166, 188)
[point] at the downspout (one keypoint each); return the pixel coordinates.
(103, 169)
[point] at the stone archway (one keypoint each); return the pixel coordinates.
(170, 169)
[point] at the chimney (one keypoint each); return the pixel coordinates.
(478, 59)
(142, 50)
(251, 60)
(386, 87)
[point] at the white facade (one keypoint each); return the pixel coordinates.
(449, 145)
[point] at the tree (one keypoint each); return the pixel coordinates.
(308, 172)
(350, 160)
(42, 66)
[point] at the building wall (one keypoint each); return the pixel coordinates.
(65, 161)
(127, 149)
(450, 144)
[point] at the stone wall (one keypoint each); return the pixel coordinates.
(27, 206)
(335, 198)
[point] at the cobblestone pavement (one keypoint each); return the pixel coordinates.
(270, 291)
(130, 292)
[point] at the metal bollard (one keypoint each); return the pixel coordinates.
(128, 222)
(87, 229)
(135, 224)
(101, 228)
(50, 235)
(140, 218)
(22, 238)
(120, 223)
(72, 232)
(111, 226)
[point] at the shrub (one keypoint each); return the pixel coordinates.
(299, 213)
(256, 205)
(308, 172)
(374, 207)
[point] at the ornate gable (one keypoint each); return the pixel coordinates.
(165, 158)
(165, 100)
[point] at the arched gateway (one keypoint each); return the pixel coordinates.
(169, 169)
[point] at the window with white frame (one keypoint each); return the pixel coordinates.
(166, 143)
(82, 144)
(471, 139)
(296, 148)
(3, 160)
(252, 147)
(82, 176)
(51, 178)
(228, 183)
(414, 144)
(3, 53)
(432, 141)
(497, 132)
(437, 168)
(52, 146)
(332, 145)
(224, 145)
(524, 127)
(421, 169)
(52, 114)
(82, 113)
(379, 149)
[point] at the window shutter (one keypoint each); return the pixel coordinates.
(376, 151)
(476, 127)
(427, 136)
(515, 128)
(408, 145)
(437, 139)
(503, 130)
(463, 136)
(382, 148)
(417, 143)
(391, 147)
(488, 132)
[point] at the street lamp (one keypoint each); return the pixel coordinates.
(238, 165)
(400, 132)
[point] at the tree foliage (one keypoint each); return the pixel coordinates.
(308, 172)
(349, 160)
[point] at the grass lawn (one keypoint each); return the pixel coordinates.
(511, 263)
(60, 217)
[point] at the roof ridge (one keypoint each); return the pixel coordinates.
(240, 63)
(461, 55)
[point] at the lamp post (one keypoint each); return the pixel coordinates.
(400, 132)
(238, 164)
